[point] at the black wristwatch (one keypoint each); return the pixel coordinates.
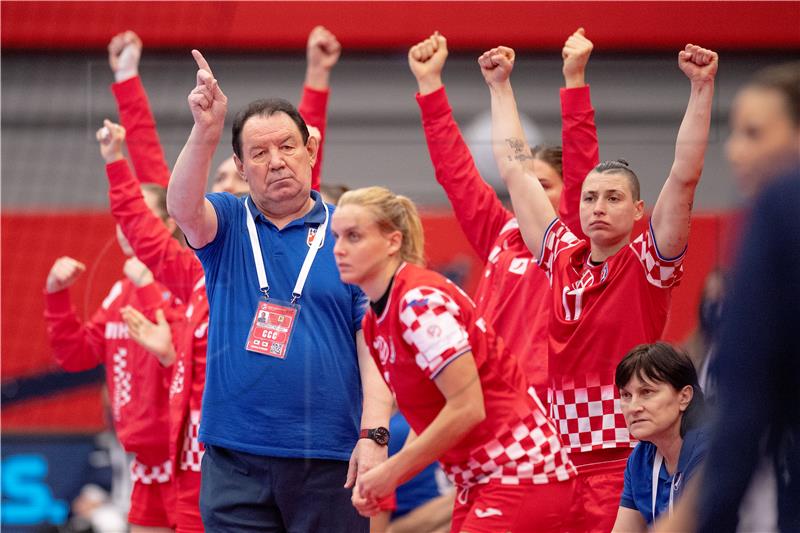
(379, 435)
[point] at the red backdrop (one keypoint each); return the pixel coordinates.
(627, 26)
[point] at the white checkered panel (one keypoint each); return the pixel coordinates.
(147, 475)
(588, 414)
(557, 238)
(662, 273)
(122, 383)
(529, 452)
(192, 453)
(431, 327)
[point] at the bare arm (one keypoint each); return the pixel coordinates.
(460, 384)
(673, 210)
(376, 410)
(185, 196)
(511, 151)
(629, 521)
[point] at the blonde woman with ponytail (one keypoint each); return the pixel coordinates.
(464, 396)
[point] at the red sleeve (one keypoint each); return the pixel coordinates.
(173, 265)
(476, 206)
(76, 346)
(314, 110)
(581, 152)
(144, 146)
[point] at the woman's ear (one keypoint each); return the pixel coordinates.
(685, 397)
(394, 242)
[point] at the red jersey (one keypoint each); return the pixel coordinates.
(180, 270)
(137, 383)
(428, 322)
(600, 312)
(513, 294)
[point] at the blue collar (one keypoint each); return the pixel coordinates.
(315, 216)
(692, 439)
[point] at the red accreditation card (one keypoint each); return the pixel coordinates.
(272, 328)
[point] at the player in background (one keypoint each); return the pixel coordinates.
(464, 396)
(137, 383)
(513, 294)
(610, 293)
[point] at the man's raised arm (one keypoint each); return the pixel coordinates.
(673, 210)
(511, 151)
(186, 202)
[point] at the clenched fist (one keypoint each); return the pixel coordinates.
(699, 64)
(124, 52)
(426, 60)
(110, 138)
(575, 54)
(497, 64)
(64, 272)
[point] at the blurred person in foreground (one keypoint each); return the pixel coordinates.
(757, 353)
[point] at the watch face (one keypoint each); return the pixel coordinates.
(381, 435)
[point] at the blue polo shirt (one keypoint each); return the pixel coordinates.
(638, 490)
(308, 404)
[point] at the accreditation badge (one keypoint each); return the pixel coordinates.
(272, 328)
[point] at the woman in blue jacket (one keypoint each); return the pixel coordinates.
(662, 403)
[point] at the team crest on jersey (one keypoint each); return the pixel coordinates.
(385, 350)
(312, 232)
(419, 302)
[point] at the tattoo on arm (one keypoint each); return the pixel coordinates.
(519, 150)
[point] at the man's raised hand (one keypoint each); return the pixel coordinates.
(576, 52)
(110, 138)
(64, 272)
(207, 101)
(699, 64)
(496, 65)
(426, 60)
(124, 52)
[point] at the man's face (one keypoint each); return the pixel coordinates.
(763, 142)
(608, 210)
(275, 162)
(229, 180)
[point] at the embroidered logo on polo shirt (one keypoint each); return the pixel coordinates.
(310, 237)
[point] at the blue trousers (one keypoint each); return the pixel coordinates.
(241, 492)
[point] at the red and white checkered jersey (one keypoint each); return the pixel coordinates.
(192, 453)
(513, 295)
(149, 474)
(137, 383)
(600, 313)
(429, 322)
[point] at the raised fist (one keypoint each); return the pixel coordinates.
(110, 137)
(497, 64)
(137, 272)
(576, 52)
(207, 101)
(427, 59)
(64, 272)
(699, 64)
(124, 52)
(323, 49)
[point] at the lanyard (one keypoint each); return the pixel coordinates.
(672, 486)
(259, 260)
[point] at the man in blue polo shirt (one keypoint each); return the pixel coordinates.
(287, 366)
